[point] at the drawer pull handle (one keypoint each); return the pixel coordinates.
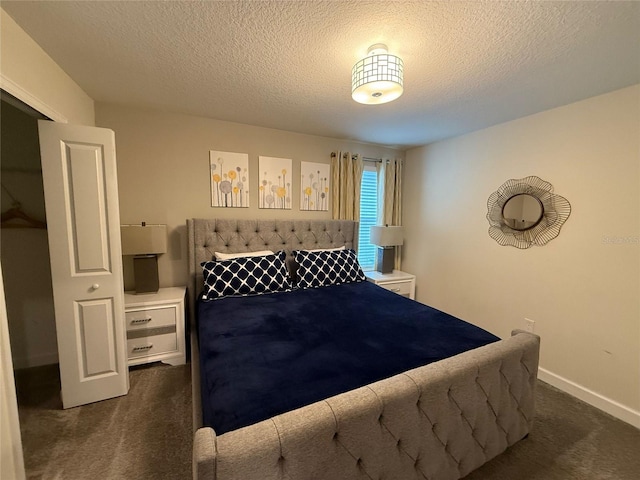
(138, 321)
(145, 347)
(395, 290)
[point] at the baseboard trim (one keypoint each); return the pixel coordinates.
(35, 360)
(601, 402)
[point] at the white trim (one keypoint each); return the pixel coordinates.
(370, 165)
(20, 93)
(601, 402)
(11, 457)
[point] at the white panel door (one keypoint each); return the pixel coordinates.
(83, 222)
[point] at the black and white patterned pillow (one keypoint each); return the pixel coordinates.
(246, 276)
(319, 269)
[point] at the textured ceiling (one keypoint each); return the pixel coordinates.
(287, 65)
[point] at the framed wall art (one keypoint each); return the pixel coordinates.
(274, 185)
(314, 186)
(229, 174)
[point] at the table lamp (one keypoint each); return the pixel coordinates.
(145, 242)
(386, 239)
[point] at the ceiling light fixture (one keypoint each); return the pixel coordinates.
(377, 78)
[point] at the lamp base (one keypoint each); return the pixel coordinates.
(145, 272)
(385, 259)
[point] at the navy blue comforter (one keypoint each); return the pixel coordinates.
(265, 355)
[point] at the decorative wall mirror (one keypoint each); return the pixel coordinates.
(525, 212)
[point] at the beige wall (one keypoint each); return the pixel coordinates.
(583, 288)
(28, 73)
(163, 171)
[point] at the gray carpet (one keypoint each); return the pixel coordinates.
(147, 434)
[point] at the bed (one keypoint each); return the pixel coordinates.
(438, 420)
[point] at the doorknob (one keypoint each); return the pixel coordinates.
(95, 286)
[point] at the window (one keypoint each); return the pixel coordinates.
(368, 216)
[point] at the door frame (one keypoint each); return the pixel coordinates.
(11, 438)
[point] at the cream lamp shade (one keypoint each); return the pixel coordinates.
(143, 239)
(387, 236)
(377, 78)
(145, 242)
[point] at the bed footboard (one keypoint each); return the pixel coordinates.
(440, 421)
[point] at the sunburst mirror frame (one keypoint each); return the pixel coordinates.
(556, 210)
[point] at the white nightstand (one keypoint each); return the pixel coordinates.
(155, 326)
(398, 282)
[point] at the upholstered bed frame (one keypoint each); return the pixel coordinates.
(439, 421)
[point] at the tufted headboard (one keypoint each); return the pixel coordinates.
(206, 236)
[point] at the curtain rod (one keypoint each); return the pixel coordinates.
(368, 159)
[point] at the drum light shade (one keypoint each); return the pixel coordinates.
(145, 242)
(143, 239)
(387, 236)
(377, 78)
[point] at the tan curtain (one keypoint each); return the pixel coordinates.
(346, 179)
(390, 195)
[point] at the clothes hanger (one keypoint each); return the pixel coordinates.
(16, 213)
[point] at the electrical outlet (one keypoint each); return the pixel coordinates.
(529, 325)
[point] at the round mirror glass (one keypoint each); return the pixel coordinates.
(522, 212)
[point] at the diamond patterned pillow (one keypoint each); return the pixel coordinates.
(319, 269)
(246, 276)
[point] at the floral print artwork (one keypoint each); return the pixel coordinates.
(314, 186)
(229, 179)
(274, 185)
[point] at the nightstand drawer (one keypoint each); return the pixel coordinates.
(401, 288)
(155, 326)
(153, 345)
(150, 318)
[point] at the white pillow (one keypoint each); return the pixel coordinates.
(325, 249)
(229, 256)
